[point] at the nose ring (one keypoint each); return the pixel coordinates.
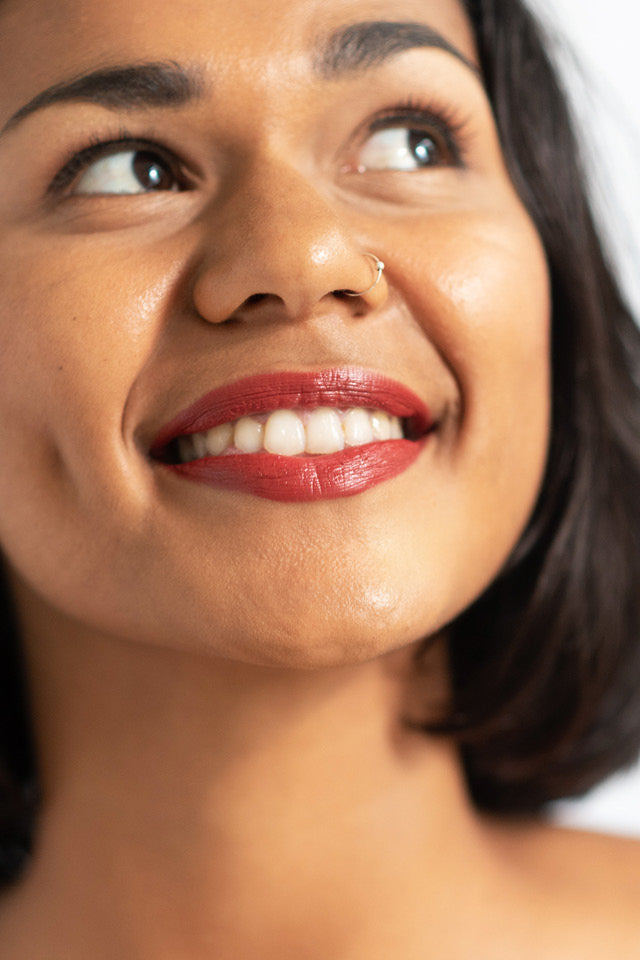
(379, 267)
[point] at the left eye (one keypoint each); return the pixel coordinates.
(404, 148)
(127, 172)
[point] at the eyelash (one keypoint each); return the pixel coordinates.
(443, 121)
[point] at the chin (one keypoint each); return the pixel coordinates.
(324, 627)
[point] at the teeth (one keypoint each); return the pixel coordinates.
(380, 425)
(396, 429)
(324, 431)
(291, 433)
(358, 429)
(248, 435)
(284, 433)
(219, 438)
(199, 441)
(186, 449)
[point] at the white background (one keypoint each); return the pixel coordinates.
(605, 84)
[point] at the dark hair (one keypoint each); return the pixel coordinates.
(18, 780)
(546, 664)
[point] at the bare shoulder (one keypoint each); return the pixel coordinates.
(586, 859)
(587, 885)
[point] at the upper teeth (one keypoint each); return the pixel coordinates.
(292, 432)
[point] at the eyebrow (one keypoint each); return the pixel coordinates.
(361, 46)
(127, 88)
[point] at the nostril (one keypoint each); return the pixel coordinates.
(255, 298)
(247, 305)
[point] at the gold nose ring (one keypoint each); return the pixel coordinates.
(379, 267)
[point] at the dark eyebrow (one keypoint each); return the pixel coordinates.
(361, 46)
(124, 87)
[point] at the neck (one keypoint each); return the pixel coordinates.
(207, 808)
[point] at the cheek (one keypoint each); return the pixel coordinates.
(77, 326)
(72, 344)
(486, 308)
(485, 305)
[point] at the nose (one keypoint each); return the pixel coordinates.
(274, 244)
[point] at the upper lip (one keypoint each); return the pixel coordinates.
(337, 387)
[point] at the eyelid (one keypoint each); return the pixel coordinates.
(100, 147)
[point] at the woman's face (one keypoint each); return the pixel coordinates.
(170, 230)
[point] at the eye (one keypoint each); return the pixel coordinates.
(122, 167)
(406, 148)
(127, 172)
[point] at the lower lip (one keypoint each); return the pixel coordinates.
(304, 479)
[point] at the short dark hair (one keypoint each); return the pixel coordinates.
(546, 664)
(18, 776)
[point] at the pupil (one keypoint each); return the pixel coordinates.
(150, 171)
(424, 148)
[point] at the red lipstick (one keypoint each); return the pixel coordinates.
(305, 477)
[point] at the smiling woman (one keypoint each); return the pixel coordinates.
(319, 522)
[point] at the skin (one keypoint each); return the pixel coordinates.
(218, 681)
(273, 212)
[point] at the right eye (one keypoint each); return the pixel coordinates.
(127, 172)
(119, 168)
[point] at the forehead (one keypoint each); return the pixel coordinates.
(47, 41)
